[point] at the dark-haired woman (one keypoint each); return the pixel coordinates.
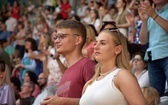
(31, 76)
(27, 62)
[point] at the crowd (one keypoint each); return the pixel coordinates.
(97, 52)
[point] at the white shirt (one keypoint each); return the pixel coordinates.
(81, 11)
(11, 24)
(40, 97)
(107, 17)
(143, 78)
(103, 92)
(96, 23)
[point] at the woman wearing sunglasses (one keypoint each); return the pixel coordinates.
(7, 96)
(113, 82)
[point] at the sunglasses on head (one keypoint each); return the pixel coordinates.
(105, 23)
(114, 30)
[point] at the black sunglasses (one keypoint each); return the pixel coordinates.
(105, 23)
(115, 30)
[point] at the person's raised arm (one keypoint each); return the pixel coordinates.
(150, 11)
(143, 32)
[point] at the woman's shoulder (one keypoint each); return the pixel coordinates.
(124, 74)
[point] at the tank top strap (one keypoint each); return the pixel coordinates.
(117, 70)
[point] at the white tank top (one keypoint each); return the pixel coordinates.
(103, 92)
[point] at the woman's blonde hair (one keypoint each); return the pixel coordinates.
(122, 59)
(90, 33)
(6, 76)
(46, 43)
(151, 95)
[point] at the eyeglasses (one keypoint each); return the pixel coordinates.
(136, 59)
(26, 86)
(2, 65)
(62, 36)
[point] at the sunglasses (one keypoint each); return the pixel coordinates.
(114, 30)
(105, 23)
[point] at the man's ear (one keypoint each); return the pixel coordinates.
(78, 40)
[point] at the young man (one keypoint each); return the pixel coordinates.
(70, 38)
(155, 30)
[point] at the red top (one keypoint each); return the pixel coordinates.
(64, 10)
(75, 77)
(15, 12)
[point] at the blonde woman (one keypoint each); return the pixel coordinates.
(44, 42)
(151, 95)
(113, 82)
(7, 96)
(88, 47)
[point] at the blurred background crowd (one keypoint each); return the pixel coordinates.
(27, 30)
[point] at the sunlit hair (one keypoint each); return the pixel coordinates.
(122, 59)
(90, 33)
(151, 95)
(6, 77)
(46, 43)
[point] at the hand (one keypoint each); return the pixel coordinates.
(52, 100)
(130, 19)
(146, 8)
(42, 57)
(141, 13)
(19, 65)
(56, 56)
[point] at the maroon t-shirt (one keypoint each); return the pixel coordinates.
(75, 77)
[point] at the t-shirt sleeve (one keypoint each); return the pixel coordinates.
(89, 70)
(7, 96)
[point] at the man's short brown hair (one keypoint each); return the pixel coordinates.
(74, 26)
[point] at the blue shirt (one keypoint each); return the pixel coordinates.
(158, 37)
(5, 35)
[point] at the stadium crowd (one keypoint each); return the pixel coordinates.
(84, 52)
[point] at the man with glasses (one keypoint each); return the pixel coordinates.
(42, 80)
(70, 38)
(26, 91)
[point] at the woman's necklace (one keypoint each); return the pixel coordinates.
(103, 74)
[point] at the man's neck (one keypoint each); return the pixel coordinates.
(72, 58)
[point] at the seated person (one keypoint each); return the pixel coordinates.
(26, 90)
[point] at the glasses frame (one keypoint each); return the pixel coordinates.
(136, 59)
(62, 36)
(105, 23)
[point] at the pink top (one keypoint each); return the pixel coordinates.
(90, 49)
(75, 77)
(20, 34)
(36, 91)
